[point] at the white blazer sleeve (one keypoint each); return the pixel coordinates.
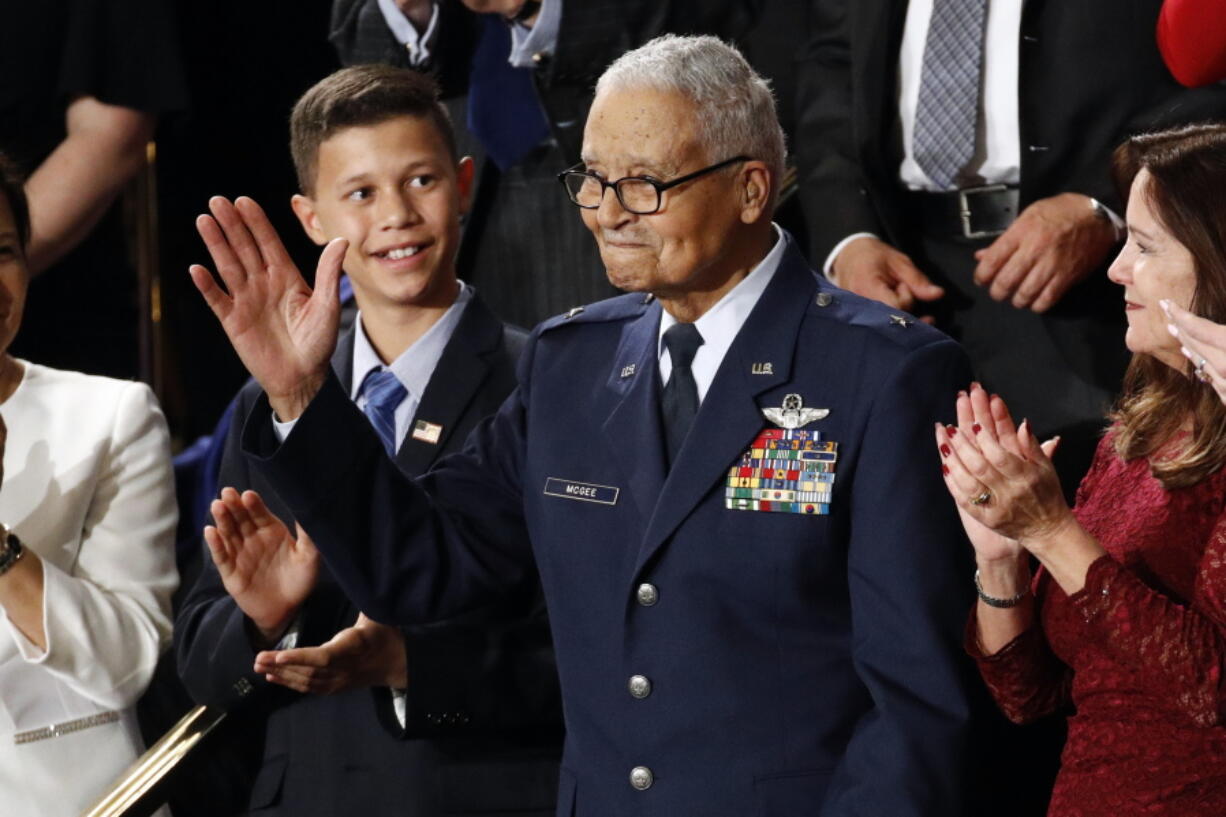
(107, 621)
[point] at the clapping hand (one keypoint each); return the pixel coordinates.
(366, 654)
(1203, 342)
(1001, 478)
(282, 330)
(267, 572)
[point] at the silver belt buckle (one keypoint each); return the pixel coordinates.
(964, 209)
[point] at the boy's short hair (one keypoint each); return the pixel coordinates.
(359, 96)
(13, 190)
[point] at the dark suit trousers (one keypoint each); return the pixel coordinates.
(526, 248)
(1061, 370)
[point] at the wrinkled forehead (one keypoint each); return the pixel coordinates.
(642, 127)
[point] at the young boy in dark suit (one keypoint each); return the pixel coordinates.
(469, 711)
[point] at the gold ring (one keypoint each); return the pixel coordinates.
(983, 498)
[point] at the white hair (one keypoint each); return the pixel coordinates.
(736, 109)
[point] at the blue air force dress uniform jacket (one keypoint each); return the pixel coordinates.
(719, 654)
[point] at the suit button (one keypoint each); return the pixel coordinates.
(640, 686)
(647, 594)
(641, 778)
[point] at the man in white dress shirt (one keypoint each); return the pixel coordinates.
(955, 163)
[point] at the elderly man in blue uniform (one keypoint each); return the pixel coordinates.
(755, 587)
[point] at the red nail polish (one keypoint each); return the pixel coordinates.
(944, 469)
(951, 430)
(944, 450)
(976, 428)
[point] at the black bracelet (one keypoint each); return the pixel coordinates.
(992, 601)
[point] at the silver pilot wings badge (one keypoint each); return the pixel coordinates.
(793, 414)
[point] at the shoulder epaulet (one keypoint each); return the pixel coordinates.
(891, 324)
(618, 308)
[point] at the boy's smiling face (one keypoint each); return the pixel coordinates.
(395, 192)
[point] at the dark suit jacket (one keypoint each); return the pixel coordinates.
(483, 710)
(593, 33)
(798, 664)
(1089, 75)
(540, 270)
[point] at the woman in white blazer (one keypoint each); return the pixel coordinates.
(87, 518)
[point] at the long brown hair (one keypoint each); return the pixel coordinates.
(1187, 178)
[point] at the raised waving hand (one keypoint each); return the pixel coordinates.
(282, 330)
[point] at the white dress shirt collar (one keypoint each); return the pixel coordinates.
(415, 365)
(542, 38)
(720, 324)
(417, 44)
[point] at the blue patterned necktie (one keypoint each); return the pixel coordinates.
(679, 401)
(383, 393)
(947, 114)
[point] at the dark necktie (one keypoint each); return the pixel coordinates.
(679, 402)
(503, 109)
(947, 114)
(383, 393)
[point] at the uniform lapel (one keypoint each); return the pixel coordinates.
(635, 415)
(461, 370)
(729, 416)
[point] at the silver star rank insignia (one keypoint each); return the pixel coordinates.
(899, 320)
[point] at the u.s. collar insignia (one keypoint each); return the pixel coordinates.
(793, 414)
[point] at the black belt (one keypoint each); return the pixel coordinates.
(971, 213)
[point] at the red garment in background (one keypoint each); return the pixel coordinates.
(1138, 652)
(1192, 39)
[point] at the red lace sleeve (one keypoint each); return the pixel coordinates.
(1176, 650)
(1025, 677)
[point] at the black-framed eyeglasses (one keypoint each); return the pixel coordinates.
(637, 194)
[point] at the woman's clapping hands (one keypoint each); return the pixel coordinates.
(1000, 476)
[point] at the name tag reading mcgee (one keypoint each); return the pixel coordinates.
(583, 491)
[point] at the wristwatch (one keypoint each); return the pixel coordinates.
(1101, 211)
(11, 549)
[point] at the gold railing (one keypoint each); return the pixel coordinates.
(154, 765)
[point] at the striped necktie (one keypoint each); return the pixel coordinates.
(947, 115)
(383, 393)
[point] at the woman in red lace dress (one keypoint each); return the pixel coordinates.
(1124, 624)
